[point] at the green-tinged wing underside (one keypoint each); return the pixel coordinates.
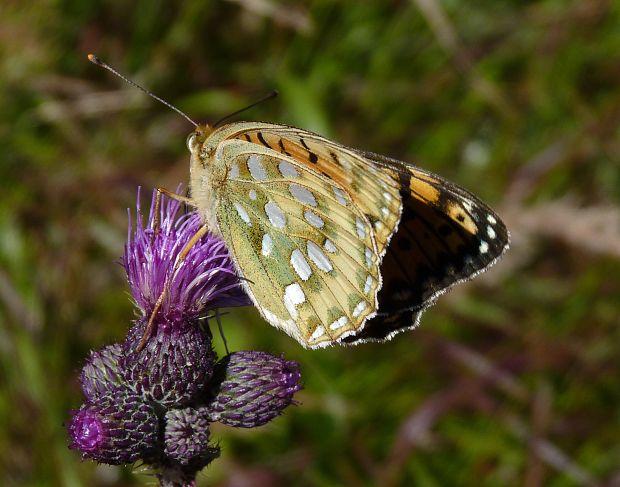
(306, 252)
(373, 189)
(445, 234)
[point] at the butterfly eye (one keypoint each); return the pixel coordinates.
(191, 139)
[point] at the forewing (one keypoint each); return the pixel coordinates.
(375, 191)
(446, 236)
(305, 250)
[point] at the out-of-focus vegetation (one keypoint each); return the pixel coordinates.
(513, 379)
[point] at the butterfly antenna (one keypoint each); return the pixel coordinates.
(95, 60)
(268, 96)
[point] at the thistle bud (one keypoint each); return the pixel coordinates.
(100, 374)
(186, 437)
(115, 428)
(251, 388)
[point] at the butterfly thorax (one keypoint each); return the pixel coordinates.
(207, 173)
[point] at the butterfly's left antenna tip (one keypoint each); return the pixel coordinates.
(93, 59)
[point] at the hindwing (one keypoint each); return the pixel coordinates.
(339, 245)
(305, 250)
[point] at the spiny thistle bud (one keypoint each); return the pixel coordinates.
(251, 388)
(174, 366)
(100, 374)
(116, 428)
(186, 437)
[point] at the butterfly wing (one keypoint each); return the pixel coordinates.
(374, 190)
(446, 235)
(305, 249)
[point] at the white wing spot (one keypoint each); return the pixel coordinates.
(379, 226)
(288, 170)
(318, 333)
(361, 306)
(267, 245)
(252, 194)
(329, 246)
(243, 214)
(256, 168)
(490, 232)
(484, 247)
(275, 215)
(234, 171)
(300, 264)
(293, 295)
(368, 255)
(491, 219)
(385, 212)
(361, 228)
(368, 285)
(387, 196)
(340, 196)
(302, 194)
(339, 323)
(313, 219)
(318, 257)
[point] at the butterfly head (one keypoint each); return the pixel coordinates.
(196, 139)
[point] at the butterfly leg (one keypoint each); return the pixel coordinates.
(170, 194)
(180, 259)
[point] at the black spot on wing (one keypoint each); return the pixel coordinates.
(311, 155)
(282, 149)
(262, 140)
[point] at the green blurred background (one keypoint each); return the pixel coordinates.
(513, 379)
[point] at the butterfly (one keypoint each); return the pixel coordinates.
(333, 244)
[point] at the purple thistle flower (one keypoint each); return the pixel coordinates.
(156, 404)
(253, 388)
(205, 280)
(117, 428)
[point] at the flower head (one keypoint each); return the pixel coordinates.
(252, 388)
(119, 427)
(205, 279)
